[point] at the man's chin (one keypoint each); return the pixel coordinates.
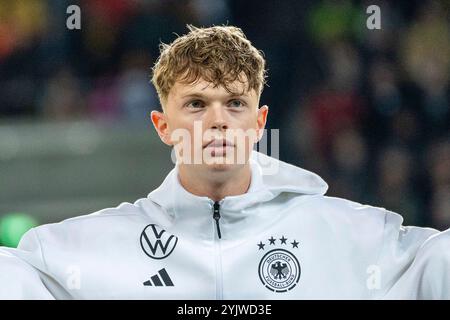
(223, 163)
(220, 167)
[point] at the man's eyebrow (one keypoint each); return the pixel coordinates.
(192, 95)
(202, 96)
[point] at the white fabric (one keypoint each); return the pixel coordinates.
(346, 250)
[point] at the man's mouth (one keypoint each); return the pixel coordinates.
(218, 147)
(217, 143)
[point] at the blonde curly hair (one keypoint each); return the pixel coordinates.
(218, 54)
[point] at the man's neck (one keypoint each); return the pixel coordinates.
(215, 185)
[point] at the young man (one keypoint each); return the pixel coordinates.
(227, 222)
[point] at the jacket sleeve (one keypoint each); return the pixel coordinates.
(417, 261)
(20, 280)
(23, 271)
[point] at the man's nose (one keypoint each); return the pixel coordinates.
(218, 118)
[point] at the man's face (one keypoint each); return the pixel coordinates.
(211, 128)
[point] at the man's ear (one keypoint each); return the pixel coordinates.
(261, 121)
(161, 126)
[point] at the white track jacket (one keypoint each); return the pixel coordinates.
(283, 239)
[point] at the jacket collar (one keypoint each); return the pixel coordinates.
(269, 178)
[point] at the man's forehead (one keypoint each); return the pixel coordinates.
(203, 87)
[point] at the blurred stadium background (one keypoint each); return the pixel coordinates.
(368, 110)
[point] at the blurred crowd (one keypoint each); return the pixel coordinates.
(368, 110)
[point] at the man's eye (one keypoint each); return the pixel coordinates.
(236, 103)
(196, 104)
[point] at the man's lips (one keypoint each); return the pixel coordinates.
(218, 143)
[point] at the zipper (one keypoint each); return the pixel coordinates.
(216, 216)
(218, 251)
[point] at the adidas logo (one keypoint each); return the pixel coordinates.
(156, 280)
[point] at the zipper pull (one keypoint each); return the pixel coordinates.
(216, 217)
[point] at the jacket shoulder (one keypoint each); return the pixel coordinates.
(104, 223)
(345, 209)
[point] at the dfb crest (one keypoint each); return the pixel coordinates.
(279, 269)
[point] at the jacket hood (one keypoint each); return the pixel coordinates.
(269, 178)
